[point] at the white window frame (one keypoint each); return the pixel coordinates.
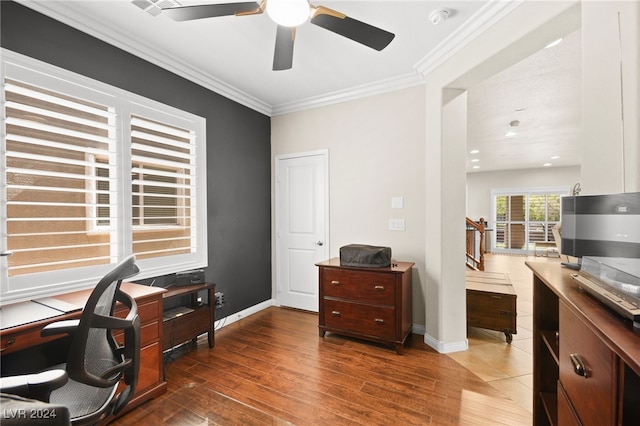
(526, 192)
(28, 286)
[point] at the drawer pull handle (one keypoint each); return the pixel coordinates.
(6, 345)
(336, 313)
(334, 282)
(379, 287)
(379, 320)
(578, 365)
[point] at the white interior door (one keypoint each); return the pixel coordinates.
(302, 227)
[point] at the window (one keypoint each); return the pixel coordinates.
(92, 174)
(524, 217)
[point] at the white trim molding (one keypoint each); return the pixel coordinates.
(481, 21)
(446, 348)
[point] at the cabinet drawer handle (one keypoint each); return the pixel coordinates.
(379, 320)
(336, 313)
(6, 345)
(334, 282)
(578, 365)
(379, 287)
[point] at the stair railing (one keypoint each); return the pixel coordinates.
(475, 252)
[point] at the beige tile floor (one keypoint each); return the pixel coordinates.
(507, 367)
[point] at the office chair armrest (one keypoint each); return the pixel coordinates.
(60, 327)
(36, 386)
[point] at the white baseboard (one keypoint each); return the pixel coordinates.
(446, 348)
(418, 329)
(230, 319)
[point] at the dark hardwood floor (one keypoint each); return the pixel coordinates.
(272, 368)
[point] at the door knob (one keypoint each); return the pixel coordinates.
(318, 243)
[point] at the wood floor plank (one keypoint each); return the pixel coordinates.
(272, 368)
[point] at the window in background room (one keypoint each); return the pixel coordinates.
(92, 174)
(524, 217)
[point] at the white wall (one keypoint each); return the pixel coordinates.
(376, 151)
(480, 184)
(610, 70)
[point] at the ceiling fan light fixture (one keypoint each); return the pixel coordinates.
(288, 13)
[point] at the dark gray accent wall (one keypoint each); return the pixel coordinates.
(238, 144)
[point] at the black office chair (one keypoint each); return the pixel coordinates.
(88, 382)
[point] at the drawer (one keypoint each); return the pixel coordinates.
(150, 373)
(377, 321)
(494, 302)
(593, 396)
(14, 342)
(566, 415)
(493, 321)
(147, 311)
(149, 333)
(367, 287)
(186, 327)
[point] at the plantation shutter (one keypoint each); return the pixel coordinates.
(163, 166)
(91, 174)
(53, 190)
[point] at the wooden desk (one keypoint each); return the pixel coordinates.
(149, 300)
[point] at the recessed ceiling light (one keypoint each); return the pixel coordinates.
(546, 165)
(475, 160)
(474, 151)
(554, 43)
(555, 157)
(510, 134)
(476, 167)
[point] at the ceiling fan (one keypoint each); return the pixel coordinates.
(288, 14)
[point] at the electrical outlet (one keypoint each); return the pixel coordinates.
(219, 298)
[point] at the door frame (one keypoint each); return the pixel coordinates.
(325, 154)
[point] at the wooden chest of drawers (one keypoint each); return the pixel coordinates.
(367, 303)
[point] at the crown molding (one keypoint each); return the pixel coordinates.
(353, 93)
(481, 21)
(88, 24)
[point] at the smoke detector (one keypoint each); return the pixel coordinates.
(439, 15)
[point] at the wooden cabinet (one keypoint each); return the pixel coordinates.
(586, 358)
(197, 319)
(367, 303)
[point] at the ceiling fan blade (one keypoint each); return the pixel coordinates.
(188, 13)
(283, 54)
(374, 37)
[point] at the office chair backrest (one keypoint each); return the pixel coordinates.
(95, 358)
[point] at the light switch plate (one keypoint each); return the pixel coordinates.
(397, 202)
(396, 225)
